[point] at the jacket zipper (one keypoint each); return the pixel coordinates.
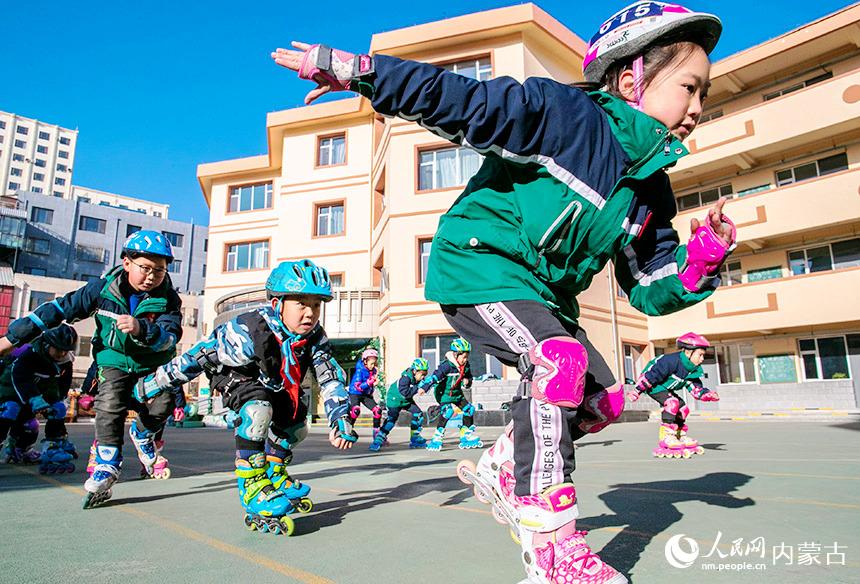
(543, 246)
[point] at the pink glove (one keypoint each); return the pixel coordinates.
(178, 414)
(633, 395)
(710, 396)
(706, 252)
(338, 68)
(371, 381)
(85, 402)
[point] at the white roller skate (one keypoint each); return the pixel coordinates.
(160, 469)
(436, 443)
(469, 439)
(689, 445)
(144, 443)
(669, 446)
(105, 474)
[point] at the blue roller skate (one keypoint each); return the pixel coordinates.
(379, 440)
(468, 438)
(435, 443)
(105, 474)
(384, 438)
(144, 443)
(68, 446)
(416, 440)
(55, 459)
(266, 508)
(296, 491)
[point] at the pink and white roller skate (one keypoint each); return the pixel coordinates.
(689, 444)
(160, 469)
(669, 446)
(91, 461)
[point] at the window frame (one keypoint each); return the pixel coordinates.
(420, 275)
(269, 196)
(828, 245)
(102, 223)
(49, 215)
(325, 204)
(698, 194)
(319, 145)
(179, 237)
(474, 58)
(740, 361)
(817, 352)
(437, 147)
(225, 259)
(30, 247)
(816, 162)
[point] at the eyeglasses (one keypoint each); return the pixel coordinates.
(147, 270)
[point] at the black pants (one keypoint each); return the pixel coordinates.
(443, 419)
(355, 403)
(393, 414)
(543, 433)
(115, 398)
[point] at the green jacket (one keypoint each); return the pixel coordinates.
(570, 181)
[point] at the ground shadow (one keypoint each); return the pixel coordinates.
(714, 446)
(599, 443)
(645, 510)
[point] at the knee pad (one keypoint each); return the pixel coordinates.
(355, 411)
(256, 416)
(388, 425)
(684, 412)
(672, 405)
(377, 412)
(606, 405)
(418, 420)
(58, 411)
(560, 365)
(447, 411)
(26, 433)
(288, 437)
(469, 410)
(9, 410)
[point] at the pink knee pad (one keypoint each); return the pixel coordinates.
(377, 412)
(606, 405)
(355, 411)
(685, 411)
(672, 405)
(560, 367)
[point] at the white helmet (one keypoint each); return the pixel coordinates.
(630, 30)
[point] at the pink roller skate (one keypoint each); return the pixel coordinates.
(91, 461)
(689, 444)
(160, 470)
(669, 445)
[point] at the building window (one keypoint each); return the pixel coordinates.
(336, 280)
(2, 125)
(632, 356)
(58, 194)
(19, 158)
(251, 197)
(59, 181)
(38, 245)
(41, 163)
(87, 253)
(174, 267)
(85, 346)
(37, 271)
(434, 347)
(762, 274)
(730, 274)
(20, 144)
(40, 215)
(23, 130)
(175, 239)
(444, 168)
(156, 213)
(42, 149)
(840, 254)
(711, 116)
(736, 363)
(37, 190)
(38, 176)
(247, 256)
(478, 68)
(92, 224)
(424, 246)
(706, 197)
(798, 86)
(129, 229)
(16, 172)
(62, 168)
(189, 316)
(65, 141)
(39, 298)
(331, 150)
(89, 277)
(13, 186)
(808, 170)
(753, 190)
(329, 219)
(206, 244)
(62, 154)
(44, 136)
(824, 358)
(204, 270)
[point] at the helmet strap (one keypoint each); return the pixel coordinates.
(638, 80)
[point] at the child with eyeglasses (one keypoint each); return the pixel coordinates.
(138, 324)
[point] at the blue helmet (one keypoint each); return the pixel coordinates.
(148, 242)
(461, 345)
(301, 277)
(420, 364)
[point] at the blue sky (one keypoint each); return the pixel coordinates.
(157, 87)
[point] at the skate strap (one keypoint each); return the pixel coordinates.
(570, 557)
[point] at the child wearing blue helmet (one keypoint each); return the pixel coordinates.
(401, 397)
(257, 361)
(138, 323)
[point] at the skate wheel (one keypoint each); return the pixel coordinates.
(687, 454)
(514, 537)
(163, 475)
(676, 455)
(463, 467)
(479, 495)
(700, 450)
(305, 506)
(249, 523)
(275, 528)
(287, 525)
